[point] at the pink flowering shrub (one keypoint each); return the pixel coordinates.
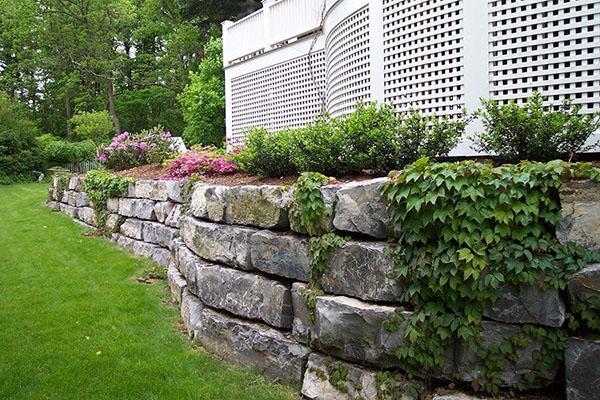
(128, 150)
(200, 160)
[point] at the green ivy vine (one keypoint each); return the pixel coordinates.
(61, 183)
(101, 185)
(465, 230)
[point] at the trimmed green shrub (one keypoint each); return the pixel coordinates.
(373, 138)
(59, 152)
(95, 126)
(534, 132)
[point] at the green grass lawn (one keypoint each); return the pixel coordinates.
(74, 323)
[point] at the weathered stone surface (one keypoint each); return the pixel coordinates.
(188, 264)
(132, 228)
(173, 217)
(527, 305)
(580, 214)
(88, 215)
(191, 313)
(364, 270)
(208, 202)
(53, 205)
(468, 364)
(301, 323)
(246, 295)
(149, 189)
(75, 199)
(454, 395)
(53, 194)
(175, 190)
(254, 345)
(112, 205)
(162, 210)
(176, 283)
(157, 254)
(360, 383)
(76, 183)
(71, 211)
(282, 255)
(220, 243)
(157, 233)
(142, 249)
(585, 284)
(352, 330)
(261, 206)
(137, 208)
(361, 208)
(113, 222)
(582, 359)
(328, 194)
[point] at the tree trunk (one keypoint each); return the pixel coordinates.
(69, 113)
(111, 106)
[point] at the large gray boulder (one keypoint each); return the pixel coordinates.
(132, 228)
(53, 205)
(112, 205)
(88, 215)
(261, 206)
(71, 211)
(246, 295)
(328, 194)
(162, 209)
(149, 189)
(188, 264)
(157, 233)
(582, 369)
(364, 270)
(302, 315)
(172, 219)
(76, 183)
(113, 222)
(352, 330)
(527, 305)
(225, 244)
(208, 202)
(157, 254)
(176, 283)
(361, 208)
(580, 214)
(137, 208)
(585, 284)
(283, 255)
(468, 362)
(250, 344)
(76, 199)
(191, 313)
(175, 190)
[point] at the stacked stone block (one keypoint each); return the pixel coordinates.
(239, 269)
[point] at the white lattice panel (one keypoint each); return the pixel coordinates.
(348, 63)
(423, 57)
(284, 95)
(549, 46)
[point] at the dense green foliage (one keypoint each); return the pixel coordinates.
(95, 126)
(131, 58)
(533, 132)
(465, 230)
(19, 151)
(308, 210)
(373, 138)
(203, 100)
(77, 325)
(58, 152)
(100, 186)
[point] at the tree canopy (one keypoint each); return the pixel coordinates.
(130, 58)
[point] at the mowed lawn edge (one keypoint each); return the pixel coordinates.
(75, 324)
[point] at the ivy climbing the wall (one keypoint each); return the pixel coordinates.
(465, 230)
(100, 186)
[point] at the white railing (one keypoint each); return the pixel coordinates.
(244, 37)
(293, 18)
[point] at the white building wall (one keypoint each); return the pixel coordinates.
(294, 59)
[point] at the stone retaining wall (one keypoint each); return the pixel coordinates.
(238, 270)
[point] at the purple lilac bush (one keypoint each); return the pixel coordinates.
(200, 160)
(128, 150)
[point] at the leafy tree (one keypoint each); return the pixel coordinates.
(19, 152)
(203, 100)
(95, 126)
